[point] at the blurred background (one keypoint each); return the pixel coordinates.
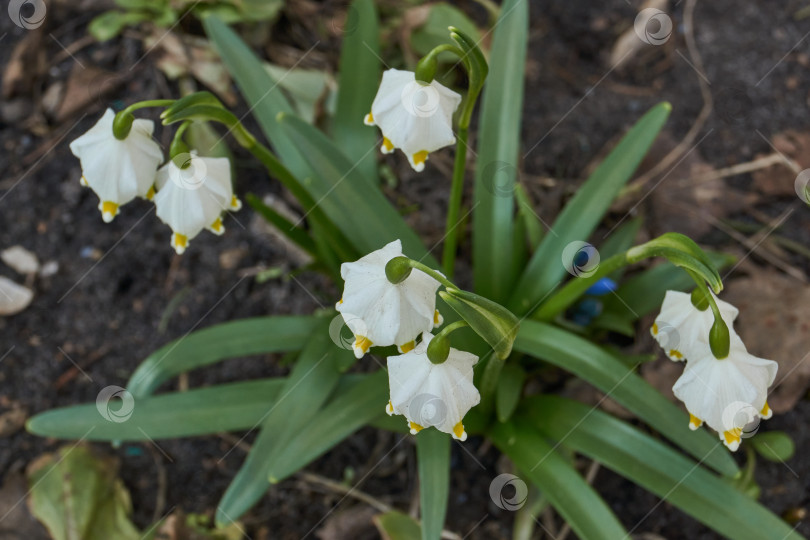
(84, 302)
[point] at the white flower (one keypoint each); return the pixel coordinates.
(118, 170)
(429, 394)
(727, 394)
(681, 326)
(192, 198)
(413, 116)
(382, 313)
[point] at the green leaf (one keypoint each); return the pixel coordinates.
(490, 320)
(348, 411)
(361, 212)
(681, 251)
(585, 210)
(496, 168)
(528, 218)
(510, 390)
(434, 30)
(77, 495)
(203, 138)
(774, 446)
(604, 371)
(305, 88)
(644, 293)
(395, 525)
(297, 235)
(656, 467)
(620, 240)
(576, 502)
(110, 24)
(433, 457)
(309, 385)
(360, 71)
(261, 91)
(260, 335)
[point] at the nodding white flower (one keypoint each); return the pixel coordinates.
(193, 197)
(382, 313)
(727, 394)
(118, 170)
(681, 326)
(429, 394)
(413, 116)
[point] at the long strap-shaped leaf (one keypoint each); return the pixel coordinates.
(359, 74)
(565, 489)
(245, 337)
(498, 148)
(362, 213)
(619, 382)
(312, 380)
(585, 210)
(656, 467)
(433, 457)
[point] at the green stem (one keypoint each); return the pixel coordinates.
(574, 289)
(146, 104)
(454, 205)
(432, 273)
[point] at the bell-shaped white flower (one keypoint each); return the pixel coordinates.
(192, 198)
(681, 325)
(118, 170)
(413, 116)
(429, 394)
(727, 394)
(382, 313)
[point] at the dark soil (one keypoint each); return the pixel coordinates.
(102, 308)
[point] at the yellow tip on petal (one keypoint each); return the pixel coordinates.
(389, 409)
(361, 346)
(108, 210)
(217, 227)
(694, 422)
(459, 433)
(406, 347)
(437, 319)
(766, 411)
(236, 204)
(732, 439)
(150, 194)
(83, 181)
(368, 119)
(415, 428)
(179, 243)
(654, 329)
(387, 146)
(418, 160)
(675, 354)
